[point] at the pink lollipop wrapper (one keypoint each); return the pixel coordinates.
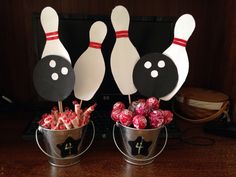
(168, 116)
(118, 105)
(141, 109)
(139, 122)
(115, 115)
(152, 103)
(156, 118)
(126, 117)
(142, 100)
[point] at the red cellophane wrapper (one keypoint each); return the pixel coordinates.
(139, 122)
(156, 118)
(115, 115)
(141, 109)
(126, 117)
(118, 105)
(152, 103)
(141, 113)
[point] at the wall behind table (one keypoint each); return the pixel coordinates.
(211, 48)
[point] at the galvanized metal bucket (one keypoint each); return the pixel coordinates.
(64, 147)
(139, 146)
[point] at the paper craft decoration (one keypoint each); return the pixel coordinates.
(54, 78)
(90, 67)
(49, 21)
(155, 75)
(184, 28)
(124, 55)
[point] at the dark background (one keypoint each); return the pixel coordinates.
(211, 48)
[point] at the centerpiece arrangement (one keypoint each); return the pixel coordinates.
(156, 76)
(64, 129)
(153, 75)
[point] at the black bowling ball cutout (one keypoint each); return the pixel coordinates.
(54, 78)
(155, 74)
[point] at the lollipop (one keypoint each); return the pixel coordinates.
(152, 103)
(115, 115)
(156, 118)
(126, 117)
(168, 116)
(139, 122)
(141, 113)
(119, 105)
(141, 109)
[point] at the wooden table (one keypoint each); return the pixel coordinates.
(20, 158)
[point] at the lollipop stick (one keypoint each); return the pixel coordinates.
(129, 99)
(60, 106)
(80, 103)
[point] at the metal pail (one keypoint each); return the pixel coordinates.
(139, 146)
(63, 147)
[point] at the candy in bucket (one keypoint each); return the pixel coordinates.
(139, 127)
(64, 133)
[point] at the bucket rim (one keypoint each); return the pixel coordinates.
(43, 128)
(144, 130)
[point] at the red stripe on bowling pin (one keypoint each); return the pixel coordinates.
(52, 36)
(95, 45)
(120, 34)
(180, 42)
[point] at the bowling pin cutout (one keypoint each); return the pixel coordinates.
(90, 67)
(53, 46)
(184, 28)
(124, 55)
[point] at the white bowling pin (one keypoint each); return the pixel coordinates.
(124, 55)
(90, 67)
(53, 46)
(184, 28)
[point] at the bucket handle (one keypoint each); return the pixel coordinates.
(60, 158)
(163, 147)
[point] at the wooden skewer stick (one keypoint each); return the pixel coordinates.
(81, 101)
(60, 106)
(129, 99)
